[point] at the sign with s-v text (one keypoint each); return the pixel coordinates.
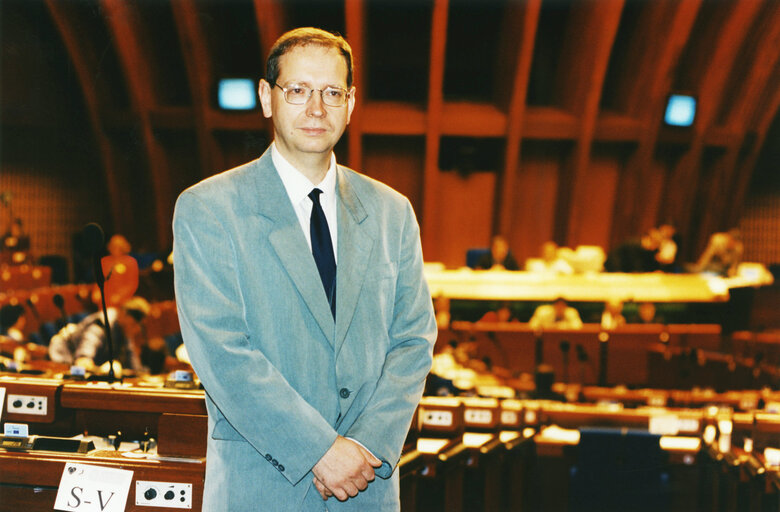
(87, 488)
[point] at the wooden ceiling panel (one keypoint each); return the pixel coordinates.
(232, 39)
(758, 58)
(472, 50)
(586, 78)
(396, 67)
(547, 48)
(92, 42)
(162, 54)
(324, 14)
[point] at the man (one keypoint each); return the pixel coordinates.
(499, 257)
(85, 344)
(558, 315)
(303, 305)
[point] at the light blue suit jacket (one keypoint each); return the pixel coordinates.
(282, 378)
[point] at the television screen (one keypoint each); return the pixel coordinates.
(237, 94)
(680, 110)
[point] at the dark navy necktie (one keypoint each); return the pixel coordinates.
(322, 249)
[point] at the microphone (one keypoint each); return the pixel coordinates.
(59, 302)
(564, 346)
(94, 240)
(31, 305)
(582, 359)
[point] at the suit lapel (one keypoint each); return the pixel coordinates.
(354, 248)
(289, 243)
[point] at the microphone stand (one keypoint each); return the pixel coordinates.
(106, 326)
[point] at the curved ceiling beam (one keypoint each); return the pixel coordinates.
(201, 75)
(746, 102)
(270, 22)
(640, 186)
(85, 62)
(125, 26)
(685, 174)
(433, 126)
(583, 96)
(355, 27)
(523, 20)
(763, 122)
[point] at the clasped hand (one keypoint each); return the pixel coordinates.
(344, 470)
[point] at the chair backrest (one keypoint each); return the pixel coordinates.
(619, 469)
(473, 255)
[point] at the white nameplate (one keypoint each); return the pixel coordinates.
(665, 425)
(478, 416)
(509, 418)
(16, 430)
(87, 488)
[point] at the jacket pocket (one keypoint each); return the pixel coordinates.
(224, 431)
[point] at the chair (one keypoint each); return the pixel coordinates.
(59, 267)
(618, 470)
(474, 255)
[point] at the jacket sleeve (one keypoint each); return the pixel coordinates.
(384, 423)
(251, 394)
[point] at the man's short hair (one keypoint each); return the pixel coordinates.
(305, 36)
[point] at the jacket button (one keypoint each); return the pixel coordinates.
(275, 462)
(280, 467)
(268, 457)
(344, 393)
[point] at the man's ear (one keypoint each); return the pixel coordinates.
(264, 92)
(351, 103)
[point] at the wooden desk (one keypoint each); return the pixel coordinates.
(467, 284)
(29, 481)
(515, 346)
(176, 418)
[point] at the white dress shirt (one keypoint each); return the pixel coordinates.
(298, 188)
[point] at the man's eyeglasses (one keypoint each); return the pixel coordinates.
(296, 94)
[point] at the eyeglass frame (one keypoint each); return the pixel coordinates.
(347, 94)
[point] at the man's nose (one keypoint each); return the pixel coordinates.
(314, 105)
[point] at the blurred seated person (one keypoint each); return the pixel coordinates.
(120, 270)
(667, 248)
(16, 244)
(501, 315)
(558, 315)
(647, 314)
(612, 317)
(12, 322)
(635, 255)
(441, 306)
(550, 261)
(85, 344)
(499, 257)
(154, 354)
(459, 363)
(722, 255)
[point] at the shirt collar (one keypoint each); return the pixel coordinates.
(297, 185)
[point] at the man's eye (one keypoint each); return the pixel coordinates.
(297, 90)
(335, 93)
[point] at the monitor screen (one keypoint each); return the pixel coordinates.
(680, 110)
(237, 94)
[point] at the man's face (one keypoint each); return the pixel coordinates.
(560, 308)
(301, 131)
